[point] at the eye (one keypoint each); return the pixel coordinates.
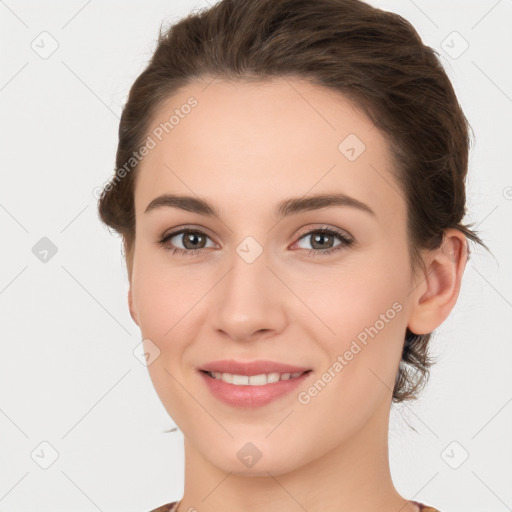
(192, 241)
(322, 241)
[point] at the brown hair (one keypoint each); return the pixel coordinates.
(373, 57)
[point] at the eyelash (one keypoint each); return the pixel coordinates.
(345, 241)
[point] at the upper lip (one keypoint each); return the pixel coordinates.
(251, 367)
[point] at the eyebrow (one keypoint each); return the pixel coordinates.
(291, 206)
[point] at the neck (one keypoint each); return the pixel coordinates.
(352, 476)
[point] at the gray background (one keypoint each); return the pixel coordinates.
(69, 377)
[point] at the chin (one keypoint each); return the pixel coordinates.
(276, 463)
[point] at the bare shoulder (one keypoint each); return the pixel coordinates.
(168, 507)
(424, 508)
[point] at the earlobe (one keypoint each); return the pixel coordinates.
(438, 293)
(130, 306)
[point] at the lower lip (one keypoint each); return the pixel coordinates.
(251, 396)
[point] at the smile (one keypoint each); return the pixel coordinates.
(253, 380)
(252, 391)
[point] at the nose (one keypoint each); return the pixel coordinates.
(250, 300)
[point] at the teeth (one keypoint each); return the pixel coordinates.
(254, 380)
(239, 380)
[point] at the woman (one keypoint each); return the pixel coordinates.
(290, 193)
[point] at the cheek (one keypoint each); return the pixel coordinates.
(164, 297)
(365, 312)
(165, 300)
(362, 309)
(349, 299)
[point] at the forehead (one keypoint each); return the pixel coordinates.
(244, 142)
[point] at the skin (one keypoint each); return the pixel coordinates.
(244, 148)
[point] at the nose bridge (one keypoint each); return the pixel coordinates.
(247, 282)
(246, 303)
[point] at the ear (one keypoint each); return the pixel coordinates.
(128, 255)
(130, 305)
(439, 288)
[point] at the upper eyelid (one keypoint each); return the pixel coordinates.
(182, 229)
(337, 231)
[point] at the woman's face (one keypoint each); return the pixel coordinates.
(265, 283)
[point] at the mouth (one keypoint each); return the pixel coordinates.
(253, 380)
(251, 384)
